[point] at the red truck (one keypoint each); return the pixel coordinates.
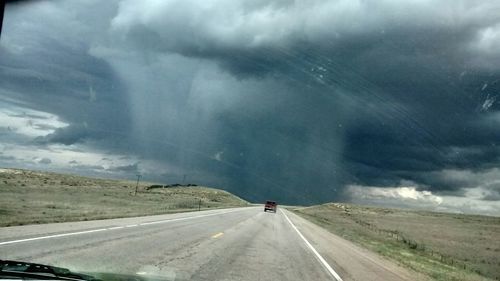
(270, 206)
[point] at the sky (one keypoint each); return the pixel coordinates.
(391, 103)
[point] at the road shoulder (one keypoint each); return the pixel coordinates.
(351, 261)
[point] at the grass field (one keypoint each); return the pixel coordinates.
(29, 197)
(443, 246)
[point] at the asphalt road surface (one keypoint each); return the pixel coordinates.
(229, 244)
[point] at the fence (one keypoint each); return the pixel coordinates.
(417, 246)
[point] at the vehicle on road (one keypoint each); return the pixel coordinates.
(270, 206)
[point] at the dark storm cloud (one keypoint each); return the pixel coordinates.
(406, 76)
(45, 161)
(287, 99)
(80, 89)
(38, 70)
(67, 135)
(290, 35)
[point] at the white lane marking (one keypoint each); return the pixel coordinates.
(113, 228)
(52, 236)
(320, 258)
(193, 217)
(215, 236)
(116, 227)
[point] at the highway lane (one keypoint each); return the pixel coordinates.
(230, 244)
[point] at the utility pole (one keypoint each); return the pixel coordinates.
(199, 205)
(184, 179)
(137, 185)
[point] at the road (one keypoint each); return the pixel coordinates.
(229, 244)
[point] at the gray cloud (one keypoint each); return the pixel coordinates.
(7, 158)
(48, 68)
(67, 135)
(302, 97)
(45, 161)
(132, 168)
(276, 35)
(89, 167)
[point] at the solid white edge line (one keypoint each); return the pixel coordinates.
(113, 228)
(52, 236)
(320, 258)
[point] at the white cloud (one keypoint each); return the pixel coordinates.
(28, 122)
(465, 178)
(488, 40)
(403, 194)
(410, 197)
(485, 48)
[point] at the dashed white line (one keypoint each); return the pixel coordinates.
(116, 227)
(185, 218)
(320, 258)
(113, 228)
(217, 235)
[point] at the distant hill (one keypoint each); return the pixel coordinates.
(30, 197)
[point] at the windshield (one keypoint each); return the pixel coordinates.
(126, 109)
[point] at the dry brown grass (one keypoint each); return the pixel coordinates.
(29, 197)
(444, 246)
